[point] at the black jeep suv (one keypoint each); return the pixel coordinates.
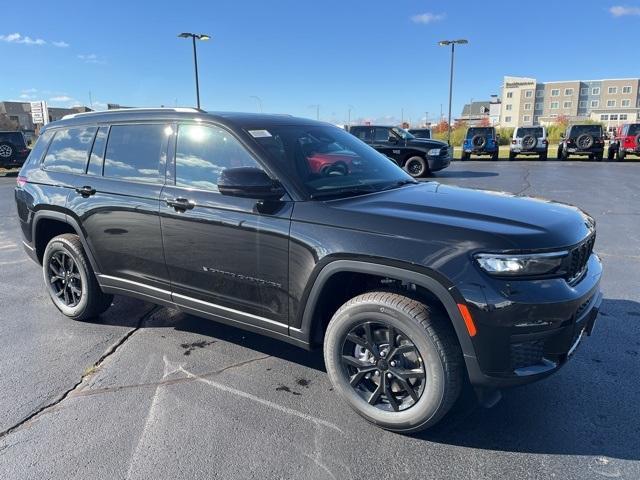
(410, 288)
(13, 149)
(417, 156)
(582, 140)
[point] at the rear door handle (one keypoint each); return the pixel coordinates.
(86, 191)
(180, 204)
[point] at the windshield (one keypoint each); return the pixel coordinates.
(578, 130)
(533, 131)
(487, 132)
(403, 133)
(327, 161)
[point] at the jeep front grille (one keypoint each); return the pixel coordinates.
(578, 258)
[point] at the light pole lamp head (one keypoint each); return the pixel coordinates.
(185, 35)
(197, 36)
(446, 43)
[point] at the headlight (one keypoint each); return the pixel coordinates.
(521, 265)
(434, 152)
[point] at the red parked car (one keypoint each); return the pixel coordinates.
(626, 142)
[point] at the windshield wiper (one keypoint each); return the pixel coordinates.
(399, 183)
(346, 191)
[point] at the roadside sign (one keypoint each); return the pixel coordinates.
(39, 113)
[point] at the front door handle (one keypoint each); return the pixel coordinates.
(86, 191)
(180, 204)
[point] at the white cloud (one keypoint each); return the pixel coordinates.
(60, 44)
(426, 18)
(61, 98)
(91, 58)
(17, 38)
(620, 11)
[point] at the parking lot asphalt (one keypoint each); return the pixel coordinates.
(149, 392)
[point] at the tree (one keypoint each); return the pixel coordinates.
(441, 127)
(6, 123)
(485, 122)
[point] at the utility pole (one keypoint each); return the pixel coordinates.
(453, 43)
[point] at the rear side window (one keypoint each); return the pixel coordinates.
(382, 135)
(69, 150)
(40, 147)
(137, 152)
(363, 134)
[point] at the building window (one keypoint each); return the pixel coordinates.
(555, 105)
(604, 116)
(595, 103)
(528, 94)
(626, 89)
(539, 106)
(509, 94)
(595, 91)
(623, 116)
(568, 92)
(582, 104)
(584, 91)
(626, 103)
(527, 106)
(554, 115)
(508, 107)
(611, 103)
(555, 92)
(567, 104)
(526, 118)
(612, 90)
(613, 116)
(539, 93)
(507, 119)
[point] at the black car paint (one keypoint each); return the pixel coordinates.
(19, 145)
(265, 265)
(568, 143)
(400, 149)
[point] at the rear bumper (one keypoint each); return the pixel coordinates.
(532, 333)
(533, 151)
(590, 151)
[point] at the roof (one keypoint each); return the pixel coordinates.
(16, 107)
(476, 108)
(236, 119)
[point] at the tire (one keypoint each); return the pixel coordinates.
(529, 142)
(464, 156)
(416, 166)
(620, 155)
(7, 152)
(563, 154)
(611, 153)
(495, 155)
(585, 141)
(512, 156)
(599, 156)
(91, 301)
(434, 345)
(479, 141)
(544, 155)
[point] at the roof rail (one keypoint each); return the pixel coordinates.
(141, 109)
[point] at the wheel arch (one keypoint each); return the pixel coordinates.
(425, 280)
(50, 223)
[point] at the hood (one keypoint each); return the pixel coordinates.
(426, 143)
(509, 221)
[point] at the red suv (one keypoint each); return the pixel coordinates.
(626, 141)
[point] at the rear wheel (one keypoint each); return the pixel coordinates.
(70, 280)
(620, 155)
(495, 155)
(464, 156)
(544, 155)
(599, 156)
(395, 360)
(563, 154)
(416, 166)
(610, 153)
(512, 155)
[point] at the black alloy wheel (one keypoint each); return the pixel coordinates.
(383, 366)
(65, 281)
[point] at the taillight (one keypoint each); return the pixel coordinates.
(545, 141)
(513, 142)
(21, 181)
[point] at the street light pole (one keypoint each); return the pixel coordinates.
(349, 115)
(453, 43)
(194, 37)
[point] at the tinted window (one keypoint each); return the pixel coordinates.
(634, 129)
(486, 131)
(534, 131)
(381, 134)
(363, 133)
(578, 130)
(97, 152)
(14, 137)
(137, 152)
(41, 145)
(203, 152)
(69, 150)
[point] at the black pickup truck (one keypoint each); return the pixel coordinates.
(417, 156)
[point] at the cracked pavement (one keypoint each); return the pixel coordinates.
(148, 392)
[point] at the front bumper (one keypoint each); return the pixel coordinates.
(440, 162)
(527, 330)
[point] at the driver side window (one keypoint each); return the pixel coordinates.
(203, 152)
(382, 135)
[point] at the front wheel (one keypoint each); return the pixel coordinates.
(416, 166)
(70, 280)
(395, 360)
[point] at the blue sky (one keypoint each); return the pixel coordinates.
(380, 57)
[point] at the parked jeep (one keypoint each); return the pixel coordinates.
(418, 157)
(481, 141)
(626, 142)
(529, 141)
(582, 140)
(13, 149)
(410, 288)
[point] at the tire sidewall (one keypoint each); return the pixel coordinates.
(416, 159)
(60, 245)
(428, 405)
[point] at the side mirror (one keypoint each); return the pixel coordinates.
(249, 182)
(393, 139)
(562, 135)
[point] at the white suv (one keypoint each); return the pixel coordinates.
(529, 141)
